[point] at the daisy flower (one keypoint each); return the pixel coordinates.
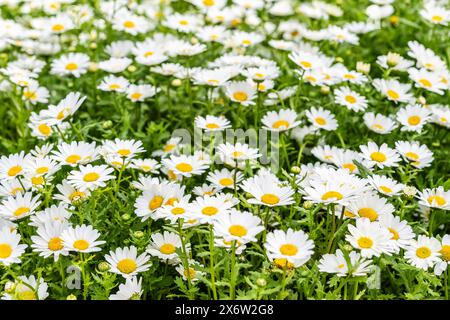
(337, 263)
(12, 166)
(379, 156)
(427, 80)
(146, 165)
(212, 123)
(234, 154)
(180, 209)
(371, 207)
(90, 177)
(70, 195)
(114, 65)
(74, 64)
(140, 92)
(55, 214)
(208, 208)
(425, 57)
(402, 233)
(268, 191)
(393, 90)
(418, 155)
(194, 271)
(115, 84)
(321, 118)
(394, 61)
(19, 206)
(126, 262)
(379, 123)
(369, 237)
(442, 265)
(75, 153)
(28, 288)
(350, 99)
(130, 290)
(185, 165)
(225, 178)
(241, 91)
(82, 238)
(48, 241)
(10, 249)
(164, 246)
(282, 120)
(435, 198)
(423, 253)
(290, 249)
(130, 23)
(126, 149)
(65, 108)
(238, 226)
(385, 185)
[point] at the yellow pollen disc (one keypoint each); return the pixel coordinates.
(26, 295)
(412, 156)
(44, 129)
(42, 170)
(126, 265)
(226, 182)
(191, 273)
(378, 126)
(259, 75)
(58, 27)
(77, 195)
(365, 242)
(246, 42)
(237, 230)
(129, 24)
(148, 54)
(124, 152)
(184, 167)
(270, 199)
(91, 177)
(213, 81)
(280, 124)
(13, 171)
(423, 252)
(444, 120)
(235, 22)
(184, 22)
(414, 120)
(145, 168)
(155, 203)
(209, 2)
(395, 235)
(114, 86)
(368, 213)
(71, 66)
(20, 211)
(169, 147)
(349, 76)
(55, 244)
(209, 211)
(171, 201)
(445, 252)
(385, 189)
(289, 249)
(37, 180)
(426, 83)
(240, 96)
(60, 115)
(350, 99)
(311, 78)
(305, 64)
(167, 248)
(393, 94)
(330, 195)
(283, 263)
(437, 18)
(177, 211)
(16, 190)
(136, 95)
(440, 201)
(341, 266)
(348, 214)
(5, 250)
(73, 158)
(378, 156)
(237, 154)
(212, 125)
(350, 166)
(171, 175)
(30, 95)
(81, 245)
(320, 121)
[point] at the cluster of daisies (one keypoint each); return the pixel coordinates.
(223, 62)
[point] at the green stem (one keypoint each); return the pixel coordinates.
(211, 261)
(185, 259)
(233, 272)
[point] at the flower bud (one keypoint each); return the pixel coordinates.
(93, 45)
(324, 89)
(138, 234)
(93, 67)
(126, 217)
(392, 59)
(261, 282)
(394, 20)
(308, 204)
(194, 40)
(363, 67)
(409, 191)
(295, 169)
(131, 68)
(107, 124)
(103, 266)
(9, 286)
(71, 297)
(176, 82)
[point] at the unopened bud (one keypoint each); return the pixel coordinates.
(176, 82)
(261, 282)
(103, 266)
(194, 40)
(422, 100)
(392, 59)
(363, 67)
(107, 124)
(126, 216)
(324, 89)
(131, 68)
(409, 191)
(93, 45)
(308, 204)
(93, 67)
(295, 169)
(138, 234)
(339, 60)
(9, 286)
(71, 297)
(394, 20)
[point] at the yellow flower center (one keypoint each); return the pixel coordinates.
(306, 64)
(60, 115)
(58, 27)
(71, 66)
(426, 83)
(169, 147)
(440, 201)
(320, 121)
(330, 195)
(237, 230)
(350, 166)
(348, 214)
(13, 171)
(240, 96)
(209, 211)
(349, 76)
(412, 155)
(213, 82)
(445, 252)
(365, 242)
(136, 95)
(423, 252)
(73, 158)
(126, 265)
(395, 235)
(77, 195)
(368, 213)
(270, 199)
(283, 263)
(124, 152)
(155, 203)
(414, 120)
(55, 244)
(246, 42)
(177, 211)
(280, 123)
(437, 18)
(212, 125)
(209, 3)
(226, 182)
(184, 22)
(26, 295)
(81, 244)
(167, 248)
(91, 177)
(114, 86)
(289, 249)
(378, 156)
(44, 129)
(129, 24)
(385, 189)
(148, 54)
(184, 167)
(5, 250)
(42, 170)
(191, 273)
(237, 154)
(393, 94)
(30, 95)
(37, 180)
(378, 126)
(21, 210)
(350, 99)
